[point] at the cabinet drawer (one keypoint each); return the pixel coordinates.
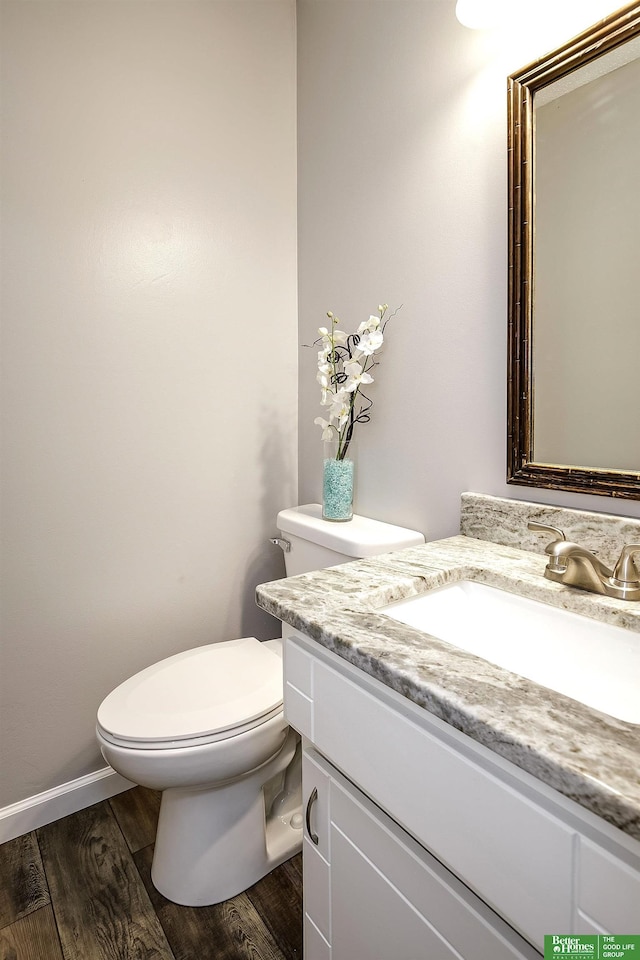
(512, 852)
(298, 703)
(298, 710)
(608, 890)
(298, 667)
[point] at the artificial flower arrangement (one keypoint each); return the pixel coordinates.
(345, 362)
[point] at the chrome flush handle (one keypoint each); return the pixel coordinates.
(285, 545)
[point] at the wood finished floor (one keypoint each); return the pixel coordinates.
(80, 889)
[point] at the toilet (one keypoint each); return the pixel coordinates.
(206, 727)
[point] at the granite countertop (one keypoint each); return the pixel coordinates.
(590, 757)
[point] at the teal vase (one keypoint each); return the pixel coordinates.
(337, 486)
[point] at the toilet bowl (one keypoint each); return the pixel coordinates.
(207, 728)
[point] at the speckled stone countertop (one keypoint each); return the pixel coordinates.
(588, 756)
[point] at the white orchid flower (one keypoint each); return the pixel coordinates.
(337, 399)
(339, 337)
(371, 324)
(352, 367)
(356, 376)
(323, 332)
(328, 430)
(339, 405)
(323, 379)
(370, 342)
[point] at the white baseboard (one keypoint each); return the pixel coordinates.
(43, 808)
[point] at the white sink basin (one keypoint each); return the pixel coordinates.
(593, 662)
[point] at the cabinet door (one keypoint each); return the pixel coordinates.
(390, 899)
(372, 893)
(316, 878)
(372, 918)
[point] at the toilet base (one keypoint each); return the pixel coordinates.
(213, 843)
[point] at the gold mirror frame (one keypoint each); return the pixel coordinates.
(616, 29)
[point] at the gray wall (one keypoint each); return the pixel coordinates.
(149, 346)
(402, 199)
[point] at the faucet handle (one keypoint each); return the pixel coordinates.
(626, 571)
(555, 564)
(543, 528)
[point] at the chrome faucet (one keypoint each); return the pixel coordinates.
(574, 566)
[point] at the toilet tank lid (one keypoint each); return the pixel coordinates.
(358, 537)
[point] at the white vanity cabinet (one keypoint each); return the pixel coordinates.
(429, 845)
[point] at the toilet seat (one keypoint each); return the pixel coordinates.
(199, 696)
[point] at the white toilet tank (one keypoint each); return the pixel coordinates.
(316, 543)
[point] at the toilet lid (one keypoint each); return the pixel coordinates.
(199, 693)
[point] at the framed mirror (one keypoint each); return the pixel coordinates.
(574, 264)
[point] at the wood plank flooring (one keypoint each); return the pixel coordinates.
(80, 889)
